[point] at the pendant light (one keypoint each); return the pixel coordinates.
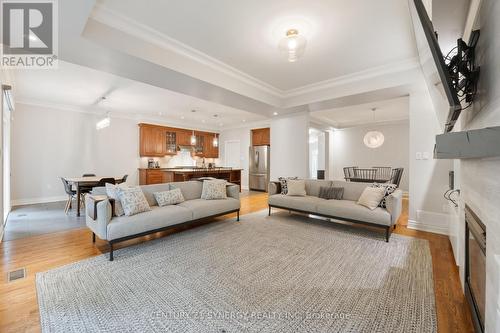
(215, 141)
(373, 139)
(193, 139)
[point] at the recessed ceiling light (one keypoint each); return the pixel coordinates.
(275, 113)
(203, 120)
(243, 120)
(182, 117)
(160, 113)
(221, 124)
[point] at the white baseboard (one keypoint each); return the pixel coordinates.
(32, 201)
(245, 188)
(437, 223)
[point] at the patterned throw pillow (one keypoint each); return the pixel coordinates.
(389, 188)
(330, 192)
(171, 197)
(133, 200)
(112, 192)
(284, 184)
(214, 189)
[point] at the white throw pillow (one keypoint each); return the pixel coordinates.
(371, 197)
(214, 189)
(133, 200)
(171, 197)
(296, 187)
(111, 191)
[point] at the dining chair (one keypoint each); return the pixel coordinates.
(383, 172)
(105, 181)
(124, 179)
(349, 172)
(364, 175)
(71, 195)
(396, 176)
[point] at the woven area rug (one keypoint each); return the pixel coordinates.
(284, 273)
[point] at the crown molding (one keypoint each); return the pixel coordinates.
(123, 23)
(109, 17)
(160, 120)
(391, 68)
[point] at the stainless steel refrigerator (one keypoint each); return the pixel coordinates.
(259, 167)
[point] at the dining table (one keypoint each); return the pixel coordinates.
(85, 182)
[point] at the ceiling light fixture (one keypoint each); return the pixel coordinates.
(103, 123)
(373, 139)
(275, 113)
(293, 45)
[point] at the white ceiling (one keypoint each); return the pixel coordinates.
(356, 115)
(344, 37)
(81, 88)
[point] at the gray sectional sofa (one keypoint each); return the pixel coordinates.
(345, 210)
(116, 229)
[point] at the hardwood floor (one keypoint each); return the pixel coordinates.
(18, 303)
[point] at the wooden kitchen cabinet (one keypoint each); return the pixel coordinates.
(261, 137)
(184, 137)
(152, 141)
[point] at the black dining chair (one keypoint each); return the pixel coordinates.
(124, 179)
(383, 173)
(349, 172)
(103, 182)
(364, 175)
(396, 176)
(71, 195)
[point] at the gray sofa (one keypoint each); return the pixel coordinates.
(345, 210)
(116, 229)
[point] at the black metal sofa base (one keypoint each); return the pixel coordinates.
(149, 232)
(386, 228)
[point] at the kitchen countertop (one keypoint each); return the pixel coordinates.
(194, 169)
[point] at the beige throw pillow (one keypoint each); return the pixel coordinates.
(133, 200)
(166, 198)
(371, 197)
(296, 187)
(112, 192)
(214, 189)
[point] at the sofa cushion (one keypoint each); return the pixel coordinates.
(150, 190)
(112, 192)
(190, 189)
(283, 183)
(313, 186)
(157, 217)
(371, 197)
(351, 210)
(307, 203)
(389, 189)
(203, 208)
(352, 190)
(330, 192)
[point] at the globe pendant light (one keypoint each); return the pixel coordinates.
(293, 45)
(373, 139)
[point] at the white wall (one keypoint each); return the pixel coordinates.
(428, 210)
(348, 149)
(50, 143)
(290, 146)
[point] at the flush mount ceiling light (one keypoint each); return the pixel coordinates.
(373, 139)
(293, 45)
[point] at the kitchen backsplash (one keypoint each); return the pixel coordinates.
(183, 158)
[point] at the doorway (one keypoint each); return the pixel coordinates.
(5, 165)
(317, 154)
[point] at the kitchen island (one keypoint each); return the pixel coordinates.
(149, 176)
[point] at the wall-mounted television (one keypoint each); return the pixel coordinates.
(435, 69)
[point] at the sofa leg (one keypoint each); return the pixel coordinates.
(238, 215)
(269, 211)
(93, 237)
(110, 251)
(387, 234)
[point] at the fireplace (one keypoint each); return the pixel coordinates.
(475, 267)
